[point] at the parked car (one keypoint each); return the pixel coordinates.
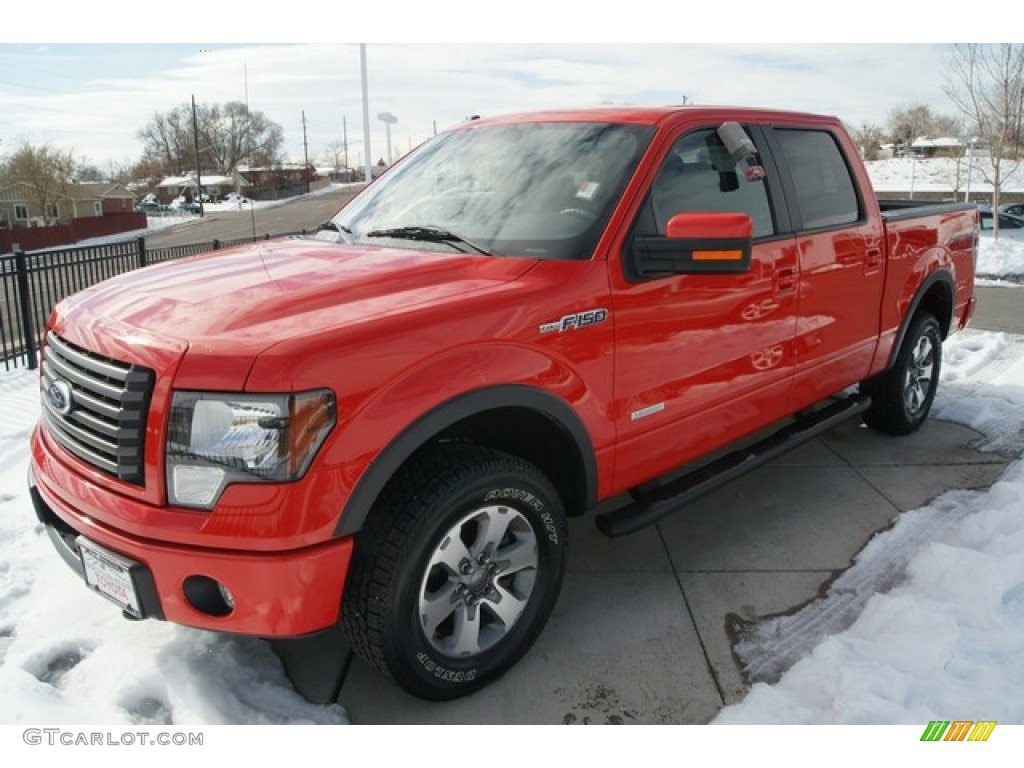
(149, 207)
(1014, 209)
(387, 424)
(1006, 220)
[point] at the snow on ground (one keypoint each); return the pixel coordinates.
(936, 629)
(942, 174)
(1001, 258)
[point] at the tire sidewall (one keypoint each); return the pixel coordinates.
(420, 666)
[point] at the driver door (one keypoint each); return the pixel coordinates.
(702, 359)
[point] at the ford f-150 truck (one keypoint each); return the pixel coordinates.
(385, 425)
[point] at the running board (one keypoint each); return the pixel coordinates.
(652, 506)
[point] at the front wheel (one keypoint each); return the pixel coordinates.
(902, 396)
(456, 571)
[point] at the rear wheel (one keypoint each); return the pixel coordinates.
(902, 396)
(456, 571)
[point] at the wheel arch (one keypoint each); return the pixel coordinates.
(518, 419)
(934, 295)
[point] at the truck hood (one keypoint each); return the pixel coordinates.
(263, 291)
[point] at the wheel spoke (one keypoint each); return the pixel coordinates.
(494, 523)
(451, 553)
(508, 607)
(922, 352)
(437, 607)
(516, 557)
(465, 638)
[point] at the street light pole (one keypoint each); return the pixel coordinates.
(388, 119)
(368, 170)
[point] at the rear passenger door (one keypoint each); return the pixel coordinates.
(702, 359)
(840, 251)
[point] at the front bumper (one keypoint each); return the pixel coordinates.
(274, 594)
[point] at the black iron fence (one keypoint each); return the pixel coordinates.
(31, 284)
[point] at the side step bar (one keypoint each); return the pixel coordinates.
(648, 508)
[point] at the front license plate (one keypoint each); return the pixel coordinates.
(110, 575)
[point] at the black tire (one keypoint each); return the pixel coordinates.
(456, 570)
(902, 396)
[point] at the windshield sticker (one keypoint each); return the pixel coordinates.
(574, 321)
(587, 190)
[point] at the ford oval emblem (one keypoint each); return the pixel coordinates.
(59, 395)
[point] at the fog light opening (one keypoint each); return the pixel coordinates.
(208, 596)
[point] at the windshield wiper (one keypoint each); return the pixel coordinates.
(428, 235)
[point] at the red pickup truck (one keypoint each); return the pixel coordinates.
(386, 425)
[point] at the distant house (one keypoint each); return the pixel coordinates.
(19, 206)
(279, 180)
(214, 186)
(95, 199)
(944, 146)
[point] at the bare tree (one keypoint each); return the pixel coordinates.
(45, 171)
(228, 134)
(869, 138)
(985, 82)
(335, 155)
(906, 124)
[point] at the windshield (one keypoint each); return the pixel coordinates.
(541, 190)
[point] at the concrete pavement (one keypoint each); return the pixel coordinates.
(642, 629)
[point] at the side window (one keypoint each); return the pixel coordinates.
(824, 189)
(699, 176)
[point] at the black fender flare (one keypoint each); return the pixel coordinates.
(435, 421)
(941, 277)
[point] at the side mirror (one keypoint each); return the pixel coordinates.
(696, 243)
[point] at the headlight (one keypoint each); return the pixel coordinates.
(216, 439)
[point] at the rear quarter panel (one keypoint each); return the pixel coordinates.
(919, 245)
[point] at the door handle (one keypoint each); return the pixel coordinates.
(785, 280)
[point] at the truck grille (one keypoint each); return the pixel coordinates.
(96, 407)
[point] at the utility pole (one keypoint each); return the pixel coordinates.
(199, 179)
(368, 168)
(344, 139)
(305, 150)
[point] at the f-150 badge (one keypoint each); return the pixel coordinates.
(574, 321)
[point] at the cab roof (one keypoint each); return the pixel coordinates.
(654, 115)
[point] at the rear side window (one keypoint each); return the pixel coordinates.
(824, 190)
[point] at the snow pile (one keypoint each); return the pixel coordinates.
(947, 642)
(1001, 258)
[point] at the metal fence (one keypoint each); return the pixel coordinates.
(31, 284)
